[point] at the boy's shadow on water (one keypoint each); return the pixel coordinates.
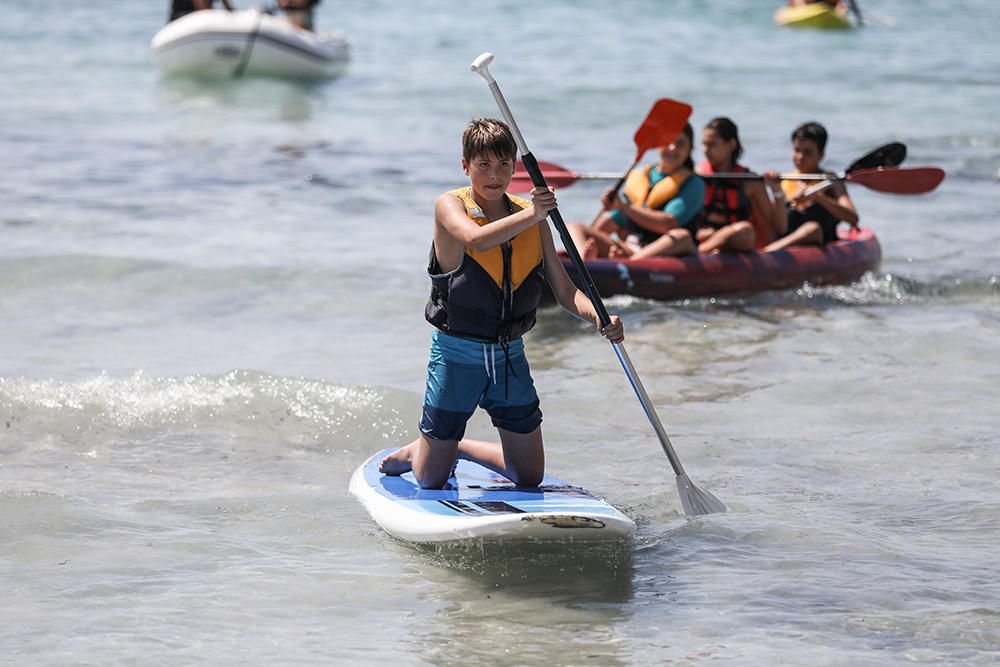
(571, 572)
(563, 602)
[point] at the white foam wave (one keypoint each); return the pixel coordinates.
(235, 400)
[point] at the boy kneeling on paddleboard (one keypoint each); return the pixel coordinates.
(490, 254)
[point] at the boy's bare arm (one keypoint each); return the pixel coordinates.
(765, 213)
(569, 297)
(839, 204)
(451, 218)
(655, 221)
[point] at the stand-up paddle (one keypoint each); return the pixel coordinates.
(694, 500)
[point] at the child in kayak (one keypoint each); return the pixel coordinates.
(738, 214)
(837, 5)
(656, 212)
(300, 12)
(179, 8)
(812, 218)
(490, 254)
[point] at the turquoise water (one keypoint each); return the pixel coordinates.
(212, 301)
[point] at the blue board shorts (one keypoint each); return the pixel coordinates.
(463, 374)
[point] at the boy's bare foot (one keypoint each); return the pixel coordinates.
(399, 462)
(615, 252)
(590, 250)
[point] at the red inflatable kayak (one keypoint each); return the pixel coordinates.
(666, 278)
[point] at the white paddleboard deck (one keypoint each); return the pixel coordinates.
(477, 503)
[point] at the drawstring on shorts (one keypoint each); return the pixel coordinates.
(490, 363)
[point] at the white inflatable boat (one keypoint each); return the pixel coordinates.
(218, 44)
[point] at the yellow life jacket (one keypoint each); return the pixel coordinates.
(792, 187)
(527, 245)
(493, 294)
(638, 191)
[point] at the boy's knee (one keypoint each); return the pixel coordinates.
(430, 482)
(813, 232)
(530, 477)
(745, 232)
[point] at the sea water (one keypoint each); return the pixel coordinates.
(211, 314)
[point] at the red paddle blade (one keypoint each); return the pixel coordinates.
(899, 180)
(664, 123)
(555, 176)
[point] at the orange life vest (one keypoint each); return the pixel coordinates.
(493, 294)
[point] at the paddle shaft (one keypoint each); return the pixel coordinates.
(618, 186)
(889, 155)
(750, 176)
(531, 164)
(728, 176)
(891, 180)
(853, 4)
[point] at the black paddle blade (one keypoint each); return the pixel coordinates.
(890, 155)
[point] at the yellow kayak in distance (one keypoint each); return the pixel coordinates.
(817, 15)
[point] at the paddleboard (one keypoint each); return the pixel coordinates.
(479, 504)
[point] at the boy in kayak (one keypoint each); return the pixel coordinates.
(812, 218)
(489, 256)
(738, 215)
(656, 212)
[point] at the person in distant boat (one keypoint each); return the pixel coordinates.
(179, 8)
(655, 213)
(812, 218)
(833, 4)
(299, 12)
(738, 214)
(490, 254)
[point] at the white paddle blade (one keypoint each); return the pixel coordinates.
(694, 500)
(481, 66)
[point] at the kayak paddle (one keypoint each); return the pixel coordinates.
(890, 155)
(892, 180)
(693, 499)
(853, 5)
(664, 123)
(557, 176)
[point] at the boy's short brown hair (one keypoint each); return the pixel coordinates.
(488, 136)
(812, 131)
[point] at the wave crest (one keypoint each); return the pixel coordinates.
(234, 401)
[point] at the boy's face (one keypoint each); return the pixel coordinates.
(806, 155)
(490, 175)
